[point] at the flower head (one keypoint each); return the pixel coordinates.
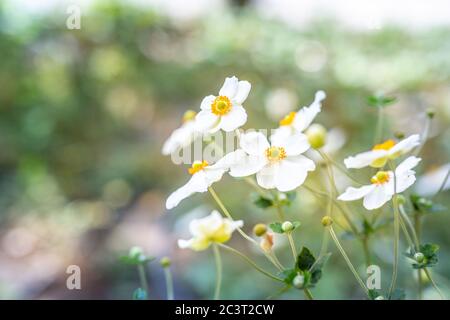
(211, 229)
(277, 165)
(203, 176)
(183, 136)
(297, 122)
(381, 153)
(383, 184)
(224, 111)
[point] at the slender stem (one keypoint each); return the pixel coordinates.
(325, 240)
(257, 188)
(410, 226)
(444, 182)
(280, 212)
(347, 260)
(243, 234)
(434, 283)
(308, 294)
(292, 245)
(342, 169)
(169, 283)
(218, 271)
(380, 123)
(143, 277)
(365, 243)
(250, 262)
(417, 228)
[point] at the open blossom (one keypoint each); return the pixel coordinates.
(183, 136)
(224, 111)
(383, 184)
(296, 122)
(211, 229)
(279, 165)
(383, 152)
(430, 182)
(203, 176)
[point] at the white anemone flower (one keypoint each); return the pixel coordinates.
(203, 176)
(430, 182)
(383, 152)
(211, 229)
(224, 111)
(279, 165)
(382, 185)
(183, 136)
(297, 122)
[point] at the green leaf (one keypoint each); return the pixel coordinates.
(380, 100)
(425, 205)
(320, 262)
(367, 227)
(276, 227)
(373, 294)
(262, 202)
(139, 294)
(288, 275)
(305, 259)
(429, 251)
(296, 224)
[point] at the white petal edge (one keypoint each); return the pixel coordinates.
(234, 119)
(364, 159)
(254, 143)
(229, 87)
(352, 193)
(197, 183)
(242, 92)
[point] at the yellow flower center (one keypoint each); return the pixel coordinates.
(275, 153)
(381, 177)
(387, 145)
(221, 105)
(197, 166)
(288, 119)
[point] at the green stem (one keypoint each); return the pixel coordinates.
(347, 260)
(292, 245)
(169, 283)
(250, 262)
(218, 271)
(365, 243)
(380, 123)
(308, 294)
(142, 277)
(417, 228)
(434, 284)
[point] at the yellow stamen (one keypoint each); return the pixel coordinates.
(275, 153)
(197, 166)
(387, 145)
(288, 119)
(221, 105)
(380, 177)
(189, 115)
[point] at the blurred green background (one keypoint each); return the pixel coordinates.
(84, 114)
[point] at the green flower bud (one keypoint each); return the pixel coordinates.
(399, 135)
(430, 113)
(327, 221)
(287, 226)
(165, 262)
(189, 115)
(419, 257)
(379, 298)
(135, 252)
(401, 199)
(298, 281)
(317, 135)
(260, 229)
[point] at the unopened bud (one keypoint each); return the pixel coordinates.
(260, 229)
(298, 281)
(287, 226)
(401, 199)
(189, 115)
(430, 113)
(419, 257)
(317, 135)
(399, 135)
(165, 262)
(379, 298)
(327, 221)
(267, 242)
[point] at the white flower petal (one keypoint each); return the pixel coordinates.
(293, 145)
(266, 176)
(180, 138)
(406, 165)
(429, 183)
(282, 133)
(229, 88)
(242, 92)
(254, 143)
(377, 197)
(205, 121)
(213, 174)
(364, 159)
(292, 172)
(233, 119)
(405, 145)
(184, 244)
(197, 183)
(243, 165)
(352, 193)
(305, 116)
(207, 102)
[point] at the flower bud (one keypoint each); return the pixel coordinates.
(430, 113)
(165, 262)
(419, 257)
(327, 221)
(317, 135)
(399, 135)
(379, 298)
(267, 242)
(298, 281)
(401, 199)
(260, 229)
(189, 115)
(287, 226)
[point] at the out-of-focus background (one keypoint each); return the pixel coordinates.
(84, 114)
